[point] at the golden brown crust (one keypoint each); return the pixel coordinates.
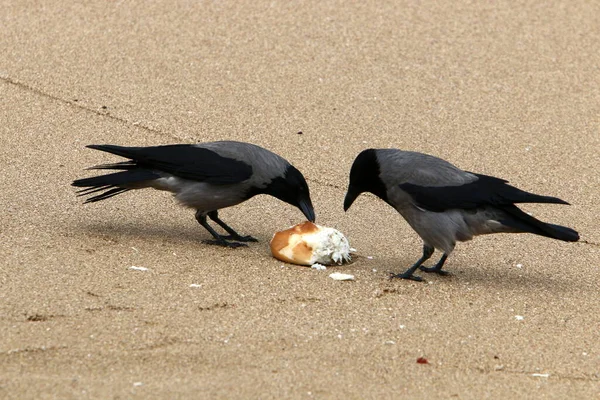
(280, 240)
(300, 251)
(305, 227)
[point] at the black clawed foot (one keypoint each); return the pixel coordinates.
(434, 270)
(408, 276)
(225, 243)
(240, 238)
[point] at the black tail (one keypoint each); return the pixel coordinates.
(112, 184)
(130, 177)
(127, 152)
(526, 223)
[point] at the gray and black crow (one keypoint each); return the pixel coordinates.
(445, 204)
(204, 176)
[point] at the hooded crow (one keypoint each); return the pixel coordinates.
(445, 204)
(204, 176)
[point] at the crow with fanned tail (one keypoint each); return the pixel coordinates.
(445, 204)
(205, 176)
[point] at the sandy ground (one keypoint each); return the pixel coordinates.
(504, 88)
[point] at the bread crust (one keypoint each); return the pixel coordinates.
(288, 246)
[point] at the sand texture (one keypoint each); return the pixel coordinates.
(510, 89)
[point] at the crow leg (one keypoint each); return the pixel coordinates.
(408, 274)
(233, 235)
(219, 240)
(437, 268)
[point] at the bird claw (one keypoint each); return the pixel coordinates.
(225, 243)
(404, 275)
(434, 270)
(240, 238)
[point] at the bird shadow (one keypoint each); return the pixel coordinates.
(156, 232)
(499, 279)
(503, 279)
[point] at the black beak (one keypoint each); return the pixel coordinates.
(307, 209)
(350, 197)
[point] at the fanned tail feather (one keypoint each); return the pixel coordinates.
(112, 184)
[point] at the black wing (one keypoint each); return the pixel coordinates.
(486, 190)
(183, 160)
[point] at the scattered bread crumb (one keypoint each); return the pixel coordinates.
(338, 276)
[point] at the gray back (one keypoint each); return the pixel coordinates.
(397, 167)
(266, 165)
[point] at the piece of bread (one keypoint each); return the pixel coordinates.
(308, 243)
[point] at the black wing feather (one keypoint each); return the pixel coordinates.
(123, 165)
(486, 190)
(185, 161)
(117, 178)
(106, 195)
